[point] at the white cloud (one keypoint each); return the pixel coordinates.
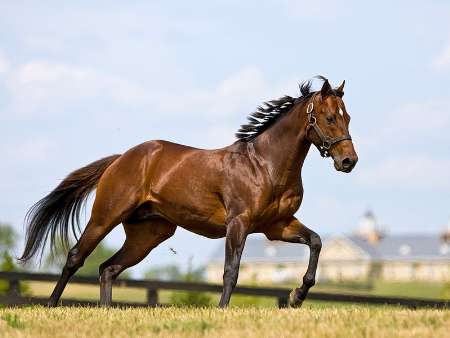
(36, 85)
(412, 143)
(442, 61)
(409, 172)
(4, 64)
(42, 87)
(412, 122)
(237, 91)
(24, 154)
(240, 92)
(422, 117)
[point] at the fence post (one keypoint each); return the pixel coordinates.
(14, 289)
(282, 302)
(152, 297)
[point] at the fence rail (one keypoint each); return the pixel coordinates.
(14, 297)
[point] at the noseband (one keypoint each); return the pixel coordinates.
(327, 142)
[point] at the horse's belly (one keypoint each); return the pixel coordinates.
(207, 230)
(203, 216)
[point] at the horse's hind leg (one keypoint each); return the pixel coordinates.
(141, 238)
(91, 236)
(295, 232)
(110, 207)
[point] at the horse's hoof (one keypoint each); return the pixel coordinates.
(294, 300)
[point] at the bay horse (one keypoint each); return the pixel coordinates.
(251, 186)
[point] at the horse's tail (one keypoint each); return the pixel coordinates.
(61, 207)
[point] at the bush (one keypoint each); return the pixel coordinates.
(197, 299)
(182, 298)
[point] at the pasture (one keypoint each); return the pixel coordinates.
(310, 321)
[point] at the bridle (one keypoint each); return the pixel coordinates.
(327, 142)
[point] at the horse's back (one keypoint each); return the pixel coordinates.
(181, 183)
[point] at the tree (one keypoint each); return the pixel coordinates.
(8, 237)
(8, 240)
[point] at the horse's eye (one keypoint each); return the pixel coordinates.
(330, 119)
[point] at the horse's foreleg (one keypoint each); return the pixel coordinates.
(295, 232)
(141, 238)
(237, 230)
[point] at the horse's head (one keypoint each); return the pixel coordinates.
(328, 123)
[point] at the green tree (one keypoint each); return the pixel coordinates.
(8, 240)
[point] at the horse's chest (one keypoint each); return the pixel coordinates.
(284, 205)
(289, 204)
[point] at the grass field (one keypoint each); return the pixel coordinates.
(413, 289)
(310, 321)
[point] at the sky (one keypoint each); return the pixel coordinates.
(83, 80)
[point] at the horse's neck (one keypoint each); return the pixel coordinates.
(284, 147)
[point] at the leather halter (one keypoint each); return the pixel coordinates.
(327, 142)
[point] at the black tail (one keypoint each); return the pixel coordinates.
(55, 212)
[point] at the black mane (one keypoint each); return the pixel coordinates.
(270, 112)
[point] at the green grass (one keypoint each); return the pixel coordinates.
(410, 289)
(309, 321)
(427, 290)
(13, 320)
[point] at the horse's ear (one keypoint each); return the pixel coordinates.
(326, 88)
(340, 90)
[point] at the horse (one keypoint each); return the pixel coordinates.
(251, 186)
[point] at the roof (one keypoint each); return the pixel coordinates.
(394, 247)
(406, 247)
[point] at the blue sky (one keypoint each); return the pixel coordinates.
(82, 80)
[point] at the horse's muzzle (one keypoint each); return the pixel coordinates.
(345, 165)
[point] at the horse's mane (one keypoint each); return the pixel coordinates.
(271, 111)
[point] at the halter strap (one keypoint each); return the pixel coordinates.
(327, 142)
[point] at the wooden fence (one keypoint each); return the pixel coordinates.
(13, 296)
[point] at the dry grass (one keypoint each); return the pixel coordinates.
(350, 321)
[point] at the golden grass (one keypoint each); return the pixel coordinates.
(350, 321)
(88, 292)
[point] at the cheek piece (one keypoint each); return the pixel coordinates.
(327, 142)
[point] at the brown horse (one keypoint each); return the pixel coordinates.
(251, 186)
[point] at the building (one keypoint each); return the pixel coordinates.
(367, 253)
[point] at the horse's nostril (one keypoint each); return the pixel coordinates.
(347, 163)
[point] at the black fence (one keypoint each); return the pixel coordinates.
(13, 296)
